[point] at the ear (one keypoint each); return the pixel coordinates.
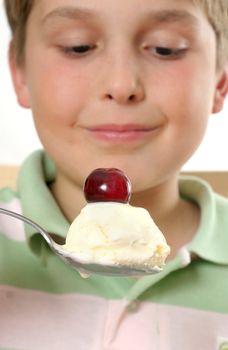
(221, 91)
(18, 74)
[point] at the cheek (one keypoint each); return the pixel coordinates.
(186, 102)
(57, 93)
(189, 94)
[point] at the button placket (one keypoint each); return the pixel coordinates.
(116, 312)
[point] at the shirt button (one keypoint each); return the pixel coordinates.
(133, 306)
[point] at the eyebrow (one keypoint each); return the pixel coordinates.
(158, 16)
(172, 16)
(69, 12)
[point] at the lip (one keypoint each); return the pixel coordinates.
(118, 133)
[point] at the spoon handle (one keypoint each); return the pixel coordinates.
(29, 222)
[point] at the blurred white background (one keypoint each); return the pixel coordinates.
(18, 137)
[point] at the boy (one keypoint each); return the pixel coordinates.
(129, 85)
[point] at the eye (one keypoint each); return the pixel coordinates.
(164, 51)
(78, 50)
(167, 52)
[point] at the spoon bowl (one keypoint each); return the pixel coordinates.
(85, 268)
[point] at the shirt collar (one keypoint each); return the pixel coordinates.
(210, 241)
(37, 201)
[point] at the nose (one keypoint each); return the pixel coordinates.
(123, 83)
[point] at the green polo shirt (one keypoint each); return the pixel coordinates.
(184, 306)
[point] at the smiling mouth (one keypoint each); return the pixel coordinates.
(118, 134)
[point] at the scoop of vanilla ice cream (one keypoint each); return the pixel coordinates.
(116, 233)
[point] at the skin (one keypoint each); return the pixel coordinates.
(123, 83)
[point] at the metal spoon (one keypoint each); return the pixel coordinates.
(84, 268)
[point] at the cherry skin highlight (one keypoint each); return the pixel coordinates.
(107, 185)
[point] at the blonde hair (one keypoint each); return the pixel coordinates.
(18, 11)
(217, 14)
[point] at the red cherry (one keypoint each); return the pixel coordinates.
(107, 185)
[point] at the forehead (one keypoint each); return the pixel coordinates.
(162, 10)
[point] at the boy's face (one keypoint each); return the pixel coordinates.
(123, 83)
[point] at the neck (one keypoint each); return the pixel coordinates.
(160, 200)
(69, 196)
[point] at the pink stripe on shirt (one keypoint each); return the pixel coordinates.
(38, 320)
